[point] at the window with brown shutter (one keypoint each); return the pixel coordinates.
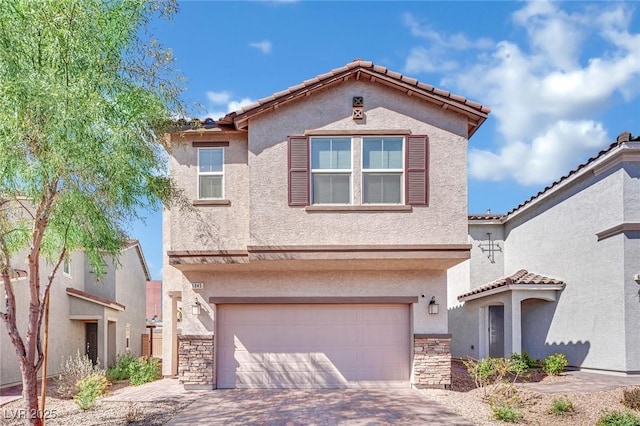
(298, 153)
(417, 182)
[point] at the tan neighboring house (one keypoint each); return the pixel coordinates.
(324, 220)
(100, 317)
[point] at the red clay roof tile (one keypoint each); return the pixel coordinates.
(521, 277)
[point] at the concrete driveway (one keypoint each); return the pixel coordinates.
(315, 407)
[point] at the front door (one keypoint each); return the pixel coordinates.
(496, 331)
(91, 339)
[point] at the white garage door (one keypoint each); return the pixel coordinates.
(312, 346)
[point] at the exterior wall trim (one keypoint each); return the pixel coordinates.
(432, 336)
(211, 202)
(355, 209)
(95, 299)
(313, 300)
(618, 229)
(209, 144)
(542, 288)
(357, 132)
(360, 248)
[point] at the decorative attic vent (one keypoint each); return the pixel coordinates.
(358, 108)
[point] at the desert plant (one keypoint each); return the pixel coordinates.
(561, 407)
(133, 414)
(143, 370)
(90, 389)
(618, 418)
(555, 364)
(631, 398)
(525, 358)
(72, 370)
(506, 413)
(120, 370)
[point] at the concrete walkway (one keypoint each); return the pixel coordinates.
(582, 381)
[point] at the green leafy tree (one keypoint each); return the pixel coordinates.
(85, 92)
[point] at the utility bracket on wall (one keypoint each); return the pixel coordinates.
(490, 247)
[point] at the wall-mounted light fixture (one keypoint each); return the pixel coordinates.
(195, 308)
(433, 306)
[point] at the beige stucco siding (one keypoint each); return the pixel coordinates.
(216, 226)
(319, 284)
(273, 222)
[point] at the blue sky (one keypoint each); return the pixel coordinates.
(562, 78)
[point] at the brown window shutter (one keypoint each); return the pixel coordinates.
(298, 171)
(417, 179)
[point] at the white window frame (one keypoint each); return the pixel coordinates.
(313, 171)
(210, 173)
(402, 172)
(66, 266)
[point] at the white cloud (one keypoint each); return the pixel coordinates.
(436, 56)
(218, 98)
(456, 41)
(547, 92)
(543, 159)
(264, 46)
(423, 60)
(222, 103)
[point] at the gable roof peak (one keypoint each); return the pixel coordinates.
(367, 71)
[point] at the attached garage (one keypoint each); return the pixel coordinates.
(313, 345)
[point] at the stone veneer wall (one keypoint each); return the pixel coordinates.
(195, 361)
(432, 361)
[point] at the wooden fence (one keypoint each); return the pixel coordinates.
(157, 345)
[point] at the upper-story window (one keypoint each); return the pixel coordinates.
(382, 167)
(66, 266)
(210, 173)
(331, 170)
(387, 170)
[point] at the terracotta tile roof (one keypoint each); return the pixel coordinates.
(97, 299)
(521, 277)
(622, 138)
(357, 69)
(486, 216)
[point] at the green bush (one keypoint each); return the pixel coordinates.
(90, 389)
(72, 370)
(524, 358)
(631, 398)
(120, 371)
(555, 364)
(506, 413)
(618, 418)
(561, 407)
(143, 370)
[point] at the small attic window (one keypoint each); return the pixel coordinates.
(358, 101)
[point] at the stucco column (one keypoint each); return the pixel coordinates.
(516, 325)
(103, 340)
(483, 327)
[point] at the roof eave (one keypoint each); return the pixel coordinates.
(511, 287)
(476, 117)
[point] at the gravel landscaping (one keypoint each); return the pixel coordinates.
(463, 399)
(468, 402)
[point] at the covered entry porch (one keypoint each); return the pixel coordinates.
(499, 307)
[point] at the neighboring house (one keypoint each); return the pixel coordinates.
(324, 220)
(100, 317)
(154, 301)
(582, 233)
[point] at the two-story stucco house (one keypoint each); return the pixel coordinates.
(99, 317)
(560, 272)
(324, 220)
